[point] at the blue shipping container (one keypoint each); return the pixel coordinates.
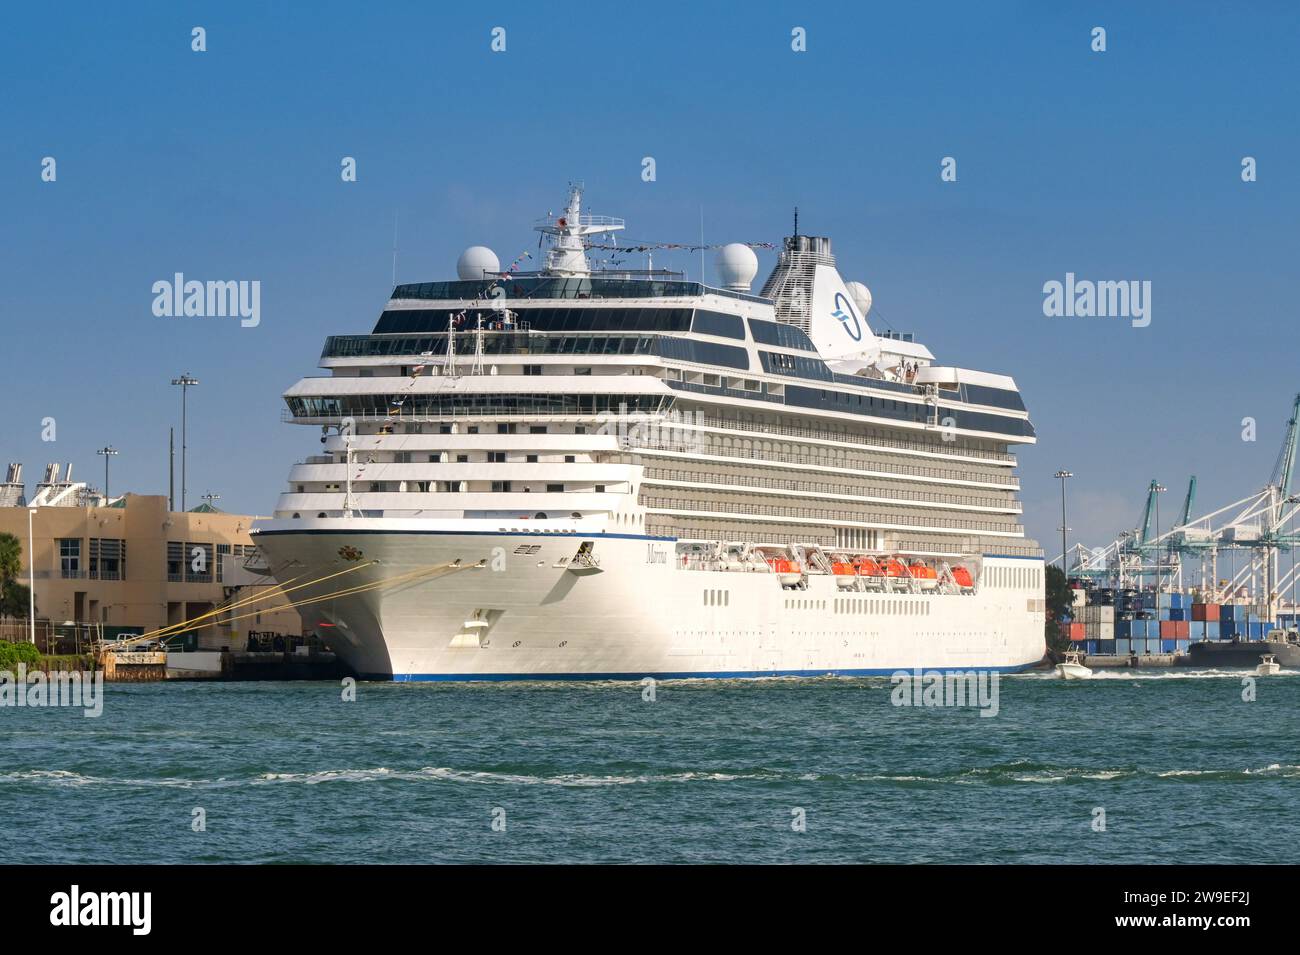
(1168, 646)
(1177, 613)
(1123, 647)
(1106, 647)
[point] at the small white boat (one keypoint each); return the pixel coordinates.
(1268, 665)
(1072, 668)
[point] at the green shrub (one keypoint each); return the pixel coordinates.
(12, 654)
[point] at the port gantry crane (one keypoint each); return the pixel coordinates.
(1262, 525)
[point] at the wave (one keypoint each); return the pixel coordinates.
(1022, 772)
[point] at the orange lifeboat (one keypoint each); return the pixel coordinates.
(921, 572)
(894, 568)
(842, 569)
(868, 568)
(962, 576)
(789, 572)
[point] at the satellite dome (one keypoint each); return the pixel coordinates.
(861, 296)
(475, 261)
(737, 266)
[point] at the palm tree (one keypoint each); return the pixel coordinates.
(11, 553)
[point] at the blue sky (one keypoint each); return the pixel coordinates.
(225, 165)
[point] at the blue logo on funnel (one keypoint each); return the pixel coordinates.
(847, 317)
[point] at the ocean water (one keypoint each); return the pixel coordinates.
(1184, 769)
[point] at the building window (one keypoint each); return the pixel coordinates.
(537, 429)
(569, 459)
(70, 558)
(462, 459)
(531, 459)
(176, 561)
(496, 457)
(501, 487)
(107, 559)
(223, 551)
(555, 489)
(532, 369)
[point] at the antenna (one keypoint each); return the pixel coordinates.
(394, 248)
(701, 244)
(796, 220)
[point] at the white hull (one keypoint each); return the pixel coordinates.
(639, 615)
(1073, 671)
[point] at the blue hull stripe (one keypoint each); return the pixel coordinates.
(705, 675)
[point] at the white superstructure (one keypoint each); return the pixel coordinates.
(575, 473)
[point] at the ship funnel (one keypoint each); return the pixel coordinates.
(807, 291)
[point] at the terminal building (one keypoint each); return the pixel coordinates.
(129, 565)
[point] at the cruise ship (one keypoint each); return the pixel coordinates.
(595, 472)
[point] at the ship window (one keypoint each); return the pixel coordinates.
(296, 515)
(321, 514)
(531, 459)
(575, 515)
(540, 516)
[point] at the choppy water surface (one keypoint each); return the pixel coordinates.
(709, 772)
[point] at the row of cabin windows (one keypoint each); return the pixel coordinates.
(444, 487)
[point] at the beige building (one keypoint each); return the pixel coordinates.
(136, 565)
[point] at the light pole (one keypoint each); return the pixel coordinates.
(186, 382)
(1063, 474)
(1157, 489)
(31, 576)
(1293, 499)
(107, 451)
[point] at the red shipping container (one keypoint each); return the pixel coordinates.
(1205, 611)
(1077, 631)
(1182, 629)
(1167, 629)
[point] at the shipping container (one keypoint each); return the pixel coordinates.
(1166, 629)
(1168, 646)
(1106, 648)
(1123, 647)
